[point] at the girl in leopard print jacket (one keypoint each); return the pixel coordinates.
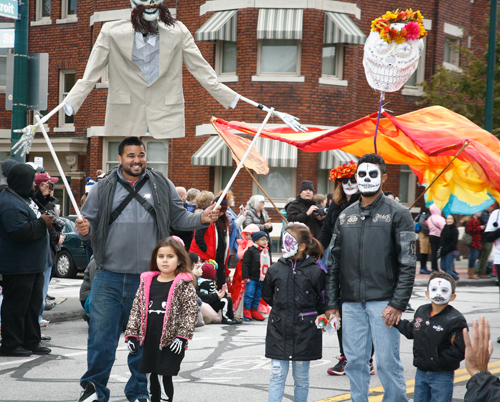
(163, 315)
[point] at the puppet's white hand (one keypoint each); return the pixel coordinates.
(26, 140)
(290, 121)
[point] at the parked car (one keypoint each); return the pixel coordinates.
(71, 259)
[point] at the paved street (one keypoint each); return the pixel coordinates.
(223, 363)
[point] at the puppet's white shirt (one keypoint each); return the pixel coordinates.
(146, 56)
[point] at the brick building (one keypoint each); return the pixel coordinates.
(303, 57)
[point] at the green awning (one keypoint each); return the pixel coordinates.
(335, 157)
(280, 23)
(339, 28)
(216, 153)
(223, 25)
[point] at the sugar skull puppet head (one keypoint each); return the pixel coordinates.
(392, 50)
(146, 13)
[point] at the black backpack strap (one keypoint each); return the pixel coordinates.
(133, 193)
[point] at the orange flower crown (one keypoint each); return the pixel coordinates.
(413, 30)
(342, 171)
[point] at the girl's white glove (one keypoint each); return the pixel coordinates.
(132, 347)
(176, 346)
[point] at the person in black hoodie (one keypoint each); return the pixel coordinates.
(303, 209)
(438, 346)
(294, 288)
(24, 242)
(449, 250)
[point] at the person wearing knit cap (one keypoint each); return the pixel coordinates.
(211, 243)
(217, 299)
(6, 166)
(256, 262)
(304, 209)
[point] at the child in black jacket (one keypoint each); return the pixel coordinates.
(438, 346)
(255, 264)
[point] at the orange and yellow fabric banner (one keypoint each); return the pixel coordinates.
(426, 140)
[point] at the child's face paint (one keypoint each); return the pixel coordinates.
(440, 291)
(290, 245)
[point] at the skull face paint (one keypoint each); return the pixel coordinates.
(389, 65)
(369, 179)
(152, 12)
(350, 188)
(440, 291)
(290, 245)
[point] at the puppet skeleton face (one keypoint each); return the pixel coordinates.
(151, 13)
(369, 178)
(389, 65)
(440, 291)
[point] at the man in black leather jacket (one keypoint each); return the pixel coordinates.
(371, 271)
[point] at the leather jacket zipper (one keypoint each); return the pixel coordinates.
(362, 296)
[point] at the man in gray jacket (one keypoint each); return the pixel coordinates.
(127, 213)
(371, 271)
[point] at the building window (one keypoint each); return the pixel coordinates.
(222, 176)
(156, 154)
(325, 185)
(43, 9)
(332, 62)
(68, 8)
(279, 57)
(3, 69)
(419, 75)
(407, 184)
(66, 82)
(451, 51)
(278, 184)
(226, 57)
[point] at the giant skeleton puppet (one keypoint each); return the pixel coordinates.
(392, 51)
(144, 58)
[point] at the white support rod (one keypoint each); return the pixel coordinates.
(240, 165)
(58, 164)
(52, 113)
(251, 102)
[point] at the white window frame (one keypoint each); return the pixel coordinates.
(340, 62)
(42, 20)
(63, 126)
(412, 183)
(65, 17)
(223, 77)
(3, 88)
(331, 183)
(218, 184)
(105, 147)
(453, 34)
(417, 90)
(276, 76)
(280, 202)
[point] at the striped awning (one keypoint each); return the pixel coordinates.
(339, 28)
(336, 157)
(216, 153)
(280, 23)
(223, 25)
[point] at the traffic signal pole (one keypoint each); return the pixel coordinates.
(490, 71)
(20, 90)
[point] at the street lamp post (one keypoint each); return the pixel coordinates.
(490, 72)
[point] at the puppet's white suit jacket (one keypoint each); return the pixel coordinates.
(133, 104)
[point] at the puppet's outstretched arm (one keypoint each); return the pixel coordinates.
(288, 119)
(26, 140)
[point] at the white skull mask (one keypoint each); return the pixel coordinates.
(389, 65)
(349, 185)
(440, 291)
(148, 14)
(369, 178)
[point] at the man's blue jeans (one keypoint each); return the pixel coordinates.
(110, 304)
(447, 264)
(433, 386)
(279, 372)
(46, 281)
(362, 324)
(253, 294)
(474, 254)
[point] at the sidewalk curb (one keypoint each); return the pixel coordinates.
(67, 309)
